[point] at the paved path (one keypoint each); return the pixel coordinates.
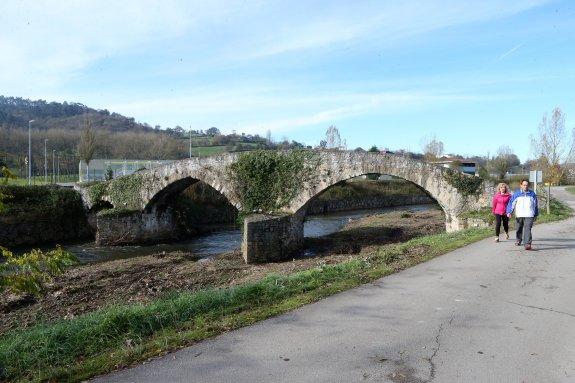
(485, 313)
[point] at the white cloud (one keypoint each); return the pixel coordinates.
(281, 110)
(45, 43)
(510, 51)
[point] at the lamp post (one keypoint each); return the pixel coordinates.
(45, 162)
(30, 152)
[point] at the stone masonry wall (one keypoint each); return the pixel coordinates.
(272, 238)
(323, 207)
(136, 227)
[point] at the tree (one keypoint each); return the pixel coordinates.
(503, 161)
(87, 145)
(333, 139)
(552, 146)
(213, 131)
(373, 149)
(6, 175)
(268, 136)
(432, 148)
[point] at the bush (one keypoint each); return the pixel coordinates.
(466, 184)
(29, 272)
(41, 201)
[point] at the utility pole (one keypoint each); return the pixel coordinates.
(45, 162)
(58, 166)
(53, 166)
(190, 142)
(30, 152)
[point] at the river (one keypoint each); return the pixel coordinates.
(224, 239)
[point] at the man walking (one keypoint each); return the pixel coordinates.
(524, 202)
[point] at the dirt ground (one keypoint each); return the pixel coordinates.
(89, 287)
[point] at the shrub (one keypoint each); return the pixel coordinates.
(466, 184)
(29, 272)
(269, 180)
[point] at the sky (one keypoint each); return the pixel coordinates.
(475, 74)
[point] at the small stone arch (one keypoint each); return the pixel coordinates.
(168, 180)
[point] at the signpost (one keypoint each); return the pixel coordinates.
(548, 184)
(535, 176)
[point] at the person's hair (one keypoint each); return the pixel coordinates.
(503, 184)
(524, 180)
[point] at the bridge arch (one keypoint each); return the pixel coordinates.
(336, 167)
(165, 182)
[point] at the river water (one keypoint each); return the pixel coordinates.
(224, 239)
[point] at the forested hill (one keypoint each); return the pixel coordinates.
(58, 127)
(15, 112)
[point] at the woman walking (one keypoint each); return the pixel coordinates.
(500, 200)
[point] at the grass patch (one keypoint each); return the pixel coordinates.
(40, 180)
(558, 211)
(104, 340)
(570, 189)
(204, 151)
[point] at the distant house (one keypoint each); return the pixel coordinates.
(464, 166)
(99, 168)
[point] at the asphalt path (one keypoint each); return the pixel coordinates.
(488, 312)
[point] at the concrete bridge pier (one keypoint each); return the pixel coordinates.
(272, 238)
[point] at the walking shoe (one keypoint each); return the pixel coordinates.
(496, 239)
(518, 243)
(506, 235)
(527, 247)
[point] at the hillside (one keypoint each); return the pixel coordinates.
(15, 112)
(58, 126)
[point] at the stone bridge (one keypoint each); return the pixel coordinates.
(140, 202)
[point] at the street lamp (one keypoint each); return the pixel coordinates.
(45, 162)
(30, 152)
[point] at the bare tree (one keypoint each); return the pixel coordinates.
(503, 161)
(87, 145)
(332, 138)
(432, 148)
(552, 146)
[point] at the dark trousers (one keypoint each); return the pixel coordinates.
(524, 226)
(501, 219)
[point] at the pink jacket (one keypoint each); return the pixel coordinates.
(499, 205)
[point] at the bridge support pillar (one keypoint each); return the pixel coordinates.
(135, 227)
(269, 238)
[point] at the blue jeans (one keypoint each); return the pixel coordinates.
(524, 225)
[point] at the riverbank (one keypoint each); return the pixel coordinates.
(140, 279)
(113, 337)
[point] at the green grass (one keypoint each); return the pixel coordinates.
(39, 180)
(104, 340)
(204, 151)
(570, 189)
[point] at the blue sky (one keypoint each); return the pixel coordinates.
(476, 74)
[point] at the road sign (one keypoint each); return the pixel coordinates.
(536, 176)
